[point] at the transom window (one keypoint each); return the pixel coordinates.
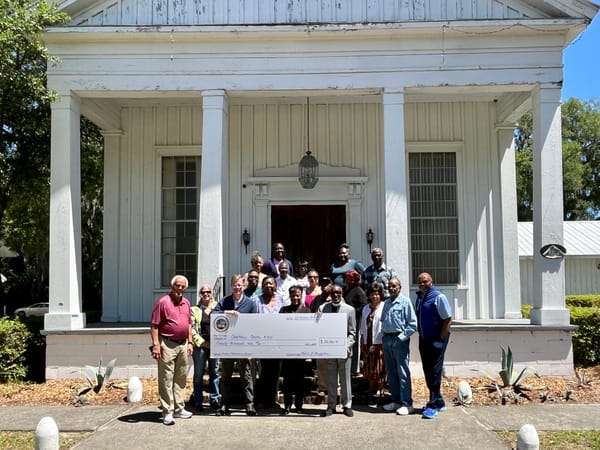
(434, 216)
(179, 217)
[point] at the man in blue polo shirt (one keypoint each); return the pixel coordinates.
(434, 317)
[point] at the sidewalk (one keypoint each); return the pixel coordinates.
(140, 427)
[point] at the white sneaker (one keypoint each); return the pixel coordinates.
(391, 406)
(168, 419)
(183, 414)
(405, 410)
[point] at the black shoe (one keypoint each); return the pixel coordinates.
(215, 405)
(199, 407)
(250, 411)
(328, 412)
(299, 410)
(285, 411)
(223, 411)
(348, 412)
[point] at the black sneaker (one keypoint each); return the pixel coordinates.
(348, 412)
(215, 405)
(223, 411)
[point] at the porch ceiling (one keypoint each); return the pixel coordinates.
(103, 107)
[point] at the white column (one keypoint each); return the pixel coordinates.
(510, 233)
(397, 238)
(65, 217)
(110, 233)
(548, 274)
(214, 181)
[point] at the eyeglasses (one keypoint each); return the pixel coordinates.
(205, 292)
(424, 282)
(313, 277)
(179, 286)
(253, 276)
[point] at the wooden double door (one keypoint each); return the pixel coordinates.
(310, 232)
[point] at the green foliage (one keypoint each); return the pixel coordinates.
(586, 339)
(581, 161)
(25, 158)
(590, 301)
(25, 141)
(14, 337)
(97, 377)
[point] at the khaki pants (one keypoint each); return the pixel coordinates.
(172, 375)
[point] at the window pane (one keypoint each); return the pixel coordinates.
(179, 230)
(433, 215)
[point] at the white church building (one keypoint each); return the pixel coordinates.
(207, 108)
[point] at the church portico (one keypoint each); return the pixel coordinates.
(410, 122)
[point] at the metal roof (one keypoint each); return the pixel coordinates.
(581, 238)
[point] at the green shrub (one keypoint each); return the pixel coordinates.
(526, 310)
(14, 338)
(586, 339)
(589, 301)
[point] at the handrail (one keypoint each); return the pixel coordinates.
(219, 287)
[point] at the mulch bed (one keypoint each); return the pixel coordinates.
(65, 392)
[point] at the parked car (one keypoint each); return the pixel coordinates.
(37, 309)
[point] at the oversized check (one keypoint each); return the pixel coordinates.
(284, 336)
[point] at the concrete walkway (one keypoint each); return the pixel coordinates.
(140, 427)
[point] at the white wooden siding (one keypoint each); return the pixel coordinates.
(235, 12)
(582, 276)
(267, 134)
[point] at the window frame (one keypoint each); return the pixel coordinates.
(439, 147)
(171, 152)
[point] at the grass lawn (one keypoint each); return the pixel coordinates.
(25, 440)
(563, 440)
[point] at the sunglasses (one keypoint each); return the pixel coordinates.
(205, 292)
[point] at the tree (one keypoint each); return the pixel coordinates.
(25, 137)
(25, 157)
(581, 161)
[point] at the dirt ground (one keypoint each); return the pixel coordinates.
(547, 389)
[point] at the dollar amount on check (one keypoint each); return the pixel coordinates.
(285, 336)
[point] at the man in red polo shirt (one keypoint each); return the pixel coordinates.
(171, 331)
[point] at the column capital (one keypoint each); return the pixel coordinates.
(393, 96)
(547, 93)
(214, 99)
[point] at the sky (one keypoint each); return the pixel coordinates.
(582, 65)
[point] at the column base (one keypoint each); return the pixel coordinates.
(66, 322)
(550, 317)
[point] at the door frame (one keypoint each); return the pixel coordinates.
(286, 191)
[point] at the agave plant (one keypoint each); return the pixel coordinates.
(512, 387)
(97, 377)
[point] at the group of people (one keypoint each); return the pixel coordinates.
(380, 323)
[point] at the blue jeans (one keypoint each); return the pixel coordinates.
(396, 354)
(432, 356)
(200, 356)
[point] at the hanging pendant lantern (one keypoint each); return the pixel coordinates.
(308, 167)
(308, 171)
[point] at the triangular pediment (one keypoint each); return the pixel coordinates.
(283, 12)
